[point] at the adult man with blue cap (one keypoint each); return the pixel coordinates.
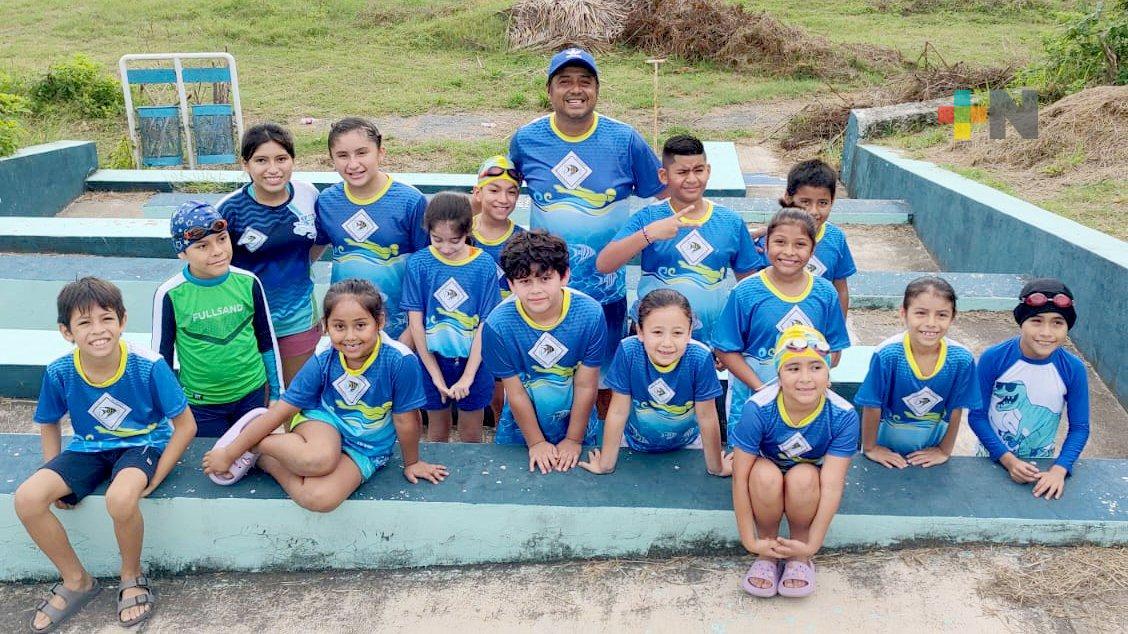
(581, 168)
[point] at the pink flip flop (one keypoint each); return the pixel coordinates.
(762, 569)
(243, 463)
(799, 571)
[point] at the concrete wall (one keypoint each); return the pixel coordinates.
(971, 227)
(43, 179)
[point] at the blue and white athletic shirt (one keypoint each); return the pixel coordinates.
(493, 248)
(757, 313)
(662, 414)
(916, 408)
(766, 430)
(274, 244)
(360, 403)
(454, 297)
(131, 409)
(580, 188)
(696, 261)
(545, 358)
(1023, 400)
(832, 259)
(372, 238)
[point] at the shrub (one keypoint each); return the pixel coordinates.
(1091, 50)
(12, 105)
(79, 83)
(10, 133)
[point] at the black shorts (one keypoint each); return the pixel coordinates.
(85, 471)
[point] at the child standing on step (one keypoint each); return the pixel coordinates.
(792, 449)
(344, 411)
(274, 235)
(687, 242)
(918, 384)
(494, 199)
(372, 221)
(216, 320)
(811, 186)
(1027, 383)
(664, 389)
(449, 289)
(545, 343)
(766, 304)
(131, 424)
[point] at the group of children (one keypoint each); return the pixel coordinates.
(449, 304)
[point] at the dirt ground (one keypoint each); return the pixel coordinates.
(951, 589)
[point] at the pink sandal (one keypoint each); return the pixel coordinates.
(243, 463)
(798, 571)
(766, 570)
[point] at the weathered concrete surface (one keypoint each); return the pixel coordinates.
(40, 180)
(929, 590)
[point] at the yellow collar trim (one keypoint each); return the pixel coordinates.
(912, 360)
(793, 299)
(806, 420)
(563, 312)
(474, 253)
(377, 196)
(491, 243)
(695, 222)
(821, 233)
(574, 139)
(117, 374)
(664, 369)
(367, 362)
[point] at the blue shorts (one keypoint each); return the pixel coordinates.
(84, 471)
(481, 390)
(213, 420)
(615, 316)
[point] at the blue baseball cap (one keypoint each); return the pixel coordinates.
(572, 56)
(193, 221)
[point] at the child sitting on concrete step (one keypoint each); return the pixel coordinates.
(919, 383)
(1027, 383)
(131, 424)
(792, 449)
(545, 343)
(215, 318)
(664, 389)
(344, 412)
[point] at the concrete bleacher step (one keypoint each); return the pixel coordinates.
(25, 354)
(726, 178)
(492, 510)
(846, 211)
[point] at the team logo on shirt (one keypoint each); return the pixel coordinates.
(109, 411)
(922, 401)
(795, 446)
(794, 317)
(451, 295)
(694, 248)
(660, 391)
(351, 388)
(252, 239)
(547, 350)
(816, 267)
(500, 272)
(571, 171)
(360, 226)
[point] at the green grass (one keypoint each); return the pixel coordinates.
(330, 58)
(1099, 205)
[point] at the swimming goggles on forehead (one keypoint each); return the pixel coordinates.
(1037, 300)
(497, 170)
(195, 233)
(799, 344)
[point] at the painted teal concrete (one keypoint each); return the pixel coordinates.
(43, 179)
(491, 509)
(974, 291)
(971, 227)
(726, 178)
(124, 237)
